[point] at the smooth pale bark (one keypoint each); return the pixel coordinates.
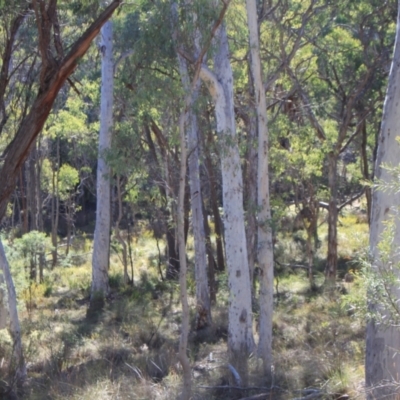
(382, 362)
(220, 85)
(15, 330)
(203, 303)
(101, 245)
(265, 254)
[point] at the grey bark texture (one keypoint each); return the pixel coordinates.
(101, 246)
(382, 361)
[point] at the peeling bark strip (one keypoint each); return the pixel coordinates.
(382, 360)
(32, 124)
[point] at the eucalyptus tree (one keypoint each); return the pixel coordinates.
(265, 255)
(55, 69)
(220, 85)
(101, 244)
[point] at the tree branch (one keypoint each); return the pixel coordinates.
(32, 124)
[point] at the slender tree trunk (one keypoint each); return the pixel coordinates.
(203, 317)
(364, 168)
(251, 198)
(250, 184)
(55, 207)
(331, 262)
(219, 236)
(118, 232)
(24, 204)
(31, 188)
(173, 255)
(264, 233)
(382, 361)
(155, 165)
(101, 246)
(183, 358)
(310, 257)
(39, 217)
(220, 84)
(68, 209)
(203, 304)
(211, 260)
(15, 330)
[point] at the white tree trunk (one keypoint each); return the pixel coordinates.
(264, 234)
(220, 84)
(382, 363)
(101, 246)
(15, 330)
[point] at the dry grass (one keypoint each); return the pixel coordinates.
(129, 352)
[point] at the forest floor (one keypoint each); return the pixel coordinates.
(129, 351)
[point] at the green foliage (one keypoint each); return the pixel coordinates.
(68, 179)
(381, 279)
(31, 245)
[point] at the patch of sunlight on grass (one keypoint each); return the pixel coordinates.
(295, 283)
(353, 234)
(77, 277)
